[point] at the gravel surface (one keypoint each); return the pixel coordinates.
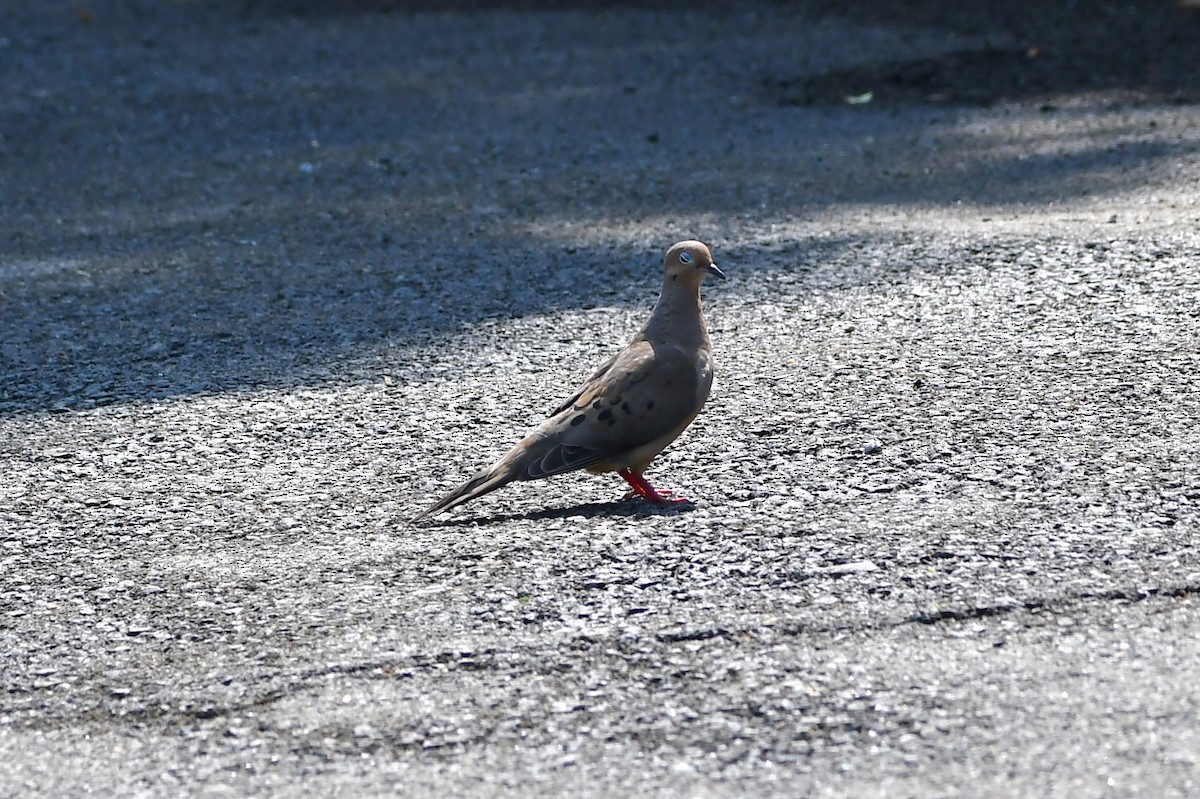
(272, 279)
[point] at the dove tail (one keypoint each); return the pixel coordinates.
(477, 486)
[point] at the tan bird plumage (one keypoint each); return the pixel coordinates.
(635, 404)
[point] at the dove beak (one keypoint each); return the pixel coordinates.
(713, 270)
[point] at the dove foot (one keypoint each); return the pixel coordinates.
(642, 488)
(664, 495)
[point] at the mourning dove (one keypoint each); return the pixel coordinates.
(635, 404)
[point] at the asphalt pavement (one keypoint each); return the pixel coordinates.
(274, 276)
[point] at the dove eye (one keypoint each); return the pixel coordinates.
(685, 258)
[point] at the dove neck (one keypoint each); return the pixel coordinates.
(678, 315)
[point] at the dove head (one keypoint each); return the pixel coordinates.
(689, 262)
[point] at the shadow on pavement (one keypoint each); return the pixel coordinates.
(202, 201)
(624, 508)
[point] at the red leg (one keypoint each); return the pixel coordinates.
(643, 489)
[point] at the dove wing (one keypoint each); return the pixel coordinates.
(641, 395)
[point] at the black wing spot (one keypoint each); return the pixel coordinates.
(578, 419)
(597, 403)
(650, 405)
(625, 407)
(605, 414)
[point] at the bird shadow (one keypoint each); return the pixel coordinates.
(625, 508)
